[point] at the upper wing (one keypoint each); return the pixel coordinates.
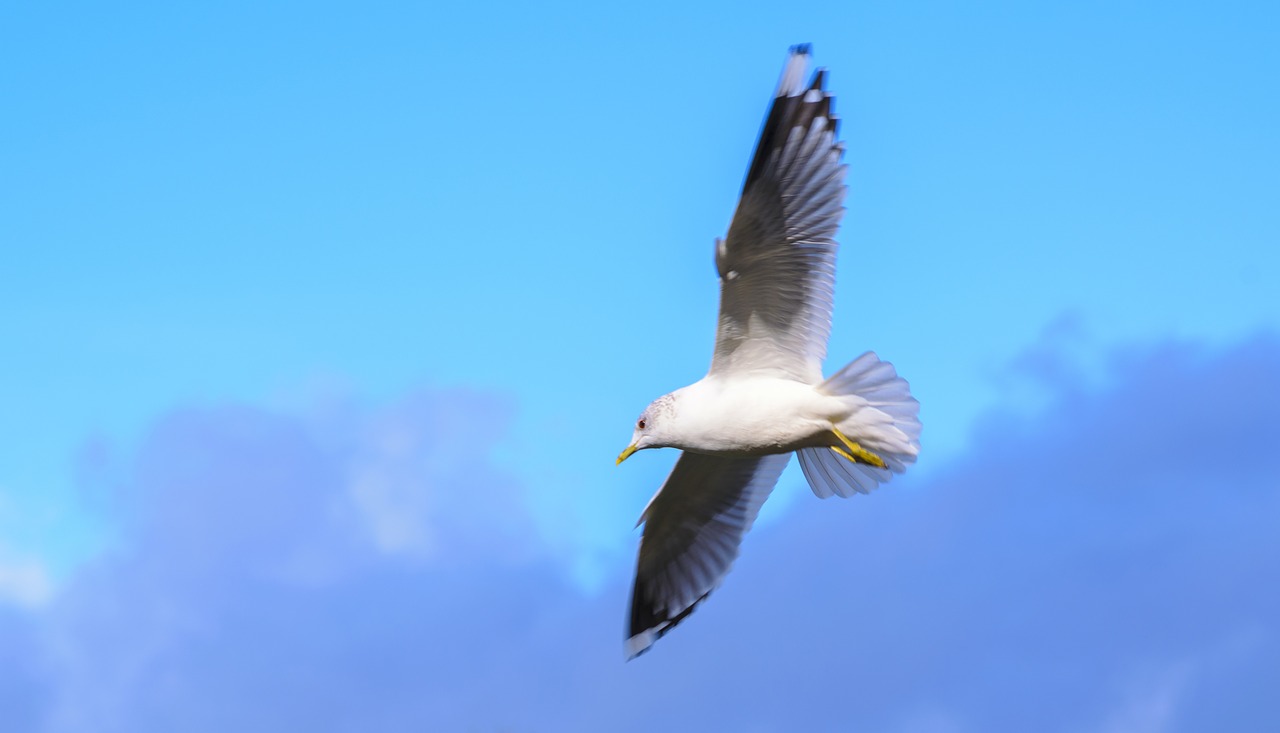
(777, 265)
(693, 526)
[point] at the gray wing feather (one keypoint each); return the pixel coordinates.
(693, 527)
(777, 264)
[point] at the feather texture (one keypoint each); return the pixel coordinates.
(693, 527)
(777, 264)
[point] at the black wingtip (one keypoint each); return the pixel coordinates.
(819, 79)
(802, 49)
(647, 625)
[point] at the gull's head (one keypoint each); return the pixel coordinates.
(653, 427)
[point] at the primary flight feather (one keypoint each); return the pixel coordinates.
(764, 396)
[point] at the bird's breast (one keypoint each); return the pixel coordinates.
(753, 417)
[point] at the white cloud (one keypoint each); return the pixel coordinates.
(395, 510)
(1056, 583)
(24, 583)
(419, 477)
(1150, 699)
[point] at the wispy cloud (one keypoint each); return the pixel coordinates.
(369, 569)
(23, 582)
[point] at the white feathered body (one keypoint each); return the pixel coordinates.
(763, 415)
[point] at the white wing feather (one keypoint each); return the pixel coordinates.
(777, 265)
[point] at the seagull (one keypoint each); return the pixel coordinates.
(764, 397)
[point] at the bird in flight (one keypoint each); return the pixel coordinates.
(764, 397)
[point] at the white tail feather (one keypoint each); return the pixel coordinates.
(885, 422)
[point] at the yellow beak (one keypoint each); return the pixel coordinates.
(624, 454)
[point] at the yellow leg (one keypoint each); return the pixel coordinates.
(844, 453)
(856, 453)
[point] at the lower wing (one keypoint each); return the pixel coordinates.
(693, 527)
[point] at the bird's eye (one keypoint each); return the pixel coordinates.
(640, 424)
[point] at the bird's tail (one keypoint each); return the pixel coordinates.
(885, 422)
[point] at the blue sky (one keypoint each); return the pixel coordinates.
(368, 298)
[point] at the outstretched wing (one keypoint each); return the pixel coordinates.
(693, 527)
(777, 264)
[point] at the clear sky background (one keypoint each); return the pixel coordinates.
(321, 326)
